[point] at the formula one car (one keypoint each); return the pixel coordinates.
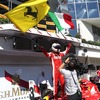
(89, 90)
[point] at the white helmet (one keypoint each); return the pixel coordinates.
(56, 47)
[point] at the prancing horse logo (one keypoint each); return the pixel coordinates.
(29, 12)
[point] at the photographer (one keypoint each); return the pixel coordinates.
(72, 86)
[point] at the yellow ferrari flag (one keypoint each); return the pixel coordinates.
(28, 14)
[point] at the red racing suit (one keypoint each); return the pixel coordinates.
(56, 61)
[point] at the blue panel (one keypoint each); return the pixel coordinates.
(92, 10)
(90, 0)
(71, 10)
(74, 31)
(81, 10)
(79, 1)
(70, 1)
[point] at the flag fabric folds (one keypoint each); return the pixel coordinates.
(28, 14)
(65, 20)
(61, 20)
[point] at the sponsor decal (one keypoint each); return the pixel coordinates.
(15, 94)
(14, 88)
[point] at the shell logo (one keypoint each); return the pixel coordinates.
(4, 7)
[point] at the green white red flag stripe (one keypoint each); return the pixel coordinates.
(61, 20)
(65, 20)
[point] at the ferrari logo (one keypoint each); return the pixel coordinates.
(31, 13)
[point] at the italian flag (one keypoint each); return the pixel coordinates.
(61, 20)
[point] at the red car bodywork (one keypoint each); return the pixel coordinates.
(89, 90)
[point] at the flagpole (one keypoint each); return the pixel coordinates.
(31, 39)
(57, 31)
(63, 35)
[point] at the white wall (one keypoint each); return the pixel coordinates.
(90, 52)
(85, 30)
